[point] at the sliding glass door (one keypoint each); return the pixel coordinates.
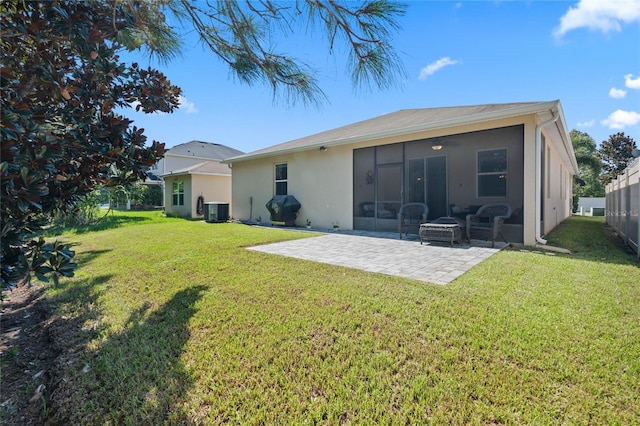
(383, 181)
(427, 183)
(388, 196)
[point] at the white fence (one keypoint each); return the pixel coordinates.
(623, 205)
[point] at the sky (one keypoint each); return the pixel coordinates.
(585, 53)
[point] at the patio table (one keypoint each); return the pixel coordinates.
(446, 229)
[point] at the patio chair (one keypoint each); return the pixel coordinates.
(411, 216)
(488, 221)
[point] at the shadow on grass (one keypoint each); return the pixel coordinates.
(107, 222)
(114, 220)
(590, 238)
(135, 376)
(86, 257)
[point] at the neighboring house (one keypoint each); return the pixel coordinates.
(191, 170)
(591, 206)
(360, 174)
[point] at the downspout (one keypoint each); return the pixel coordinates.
(538, 215)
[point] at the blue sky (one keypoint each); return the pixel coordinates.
(585, 53)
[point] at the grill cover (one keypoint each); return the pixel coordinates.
(283, 208)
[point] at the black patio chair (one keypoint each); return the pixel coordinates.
(488, 220)
(411, 216)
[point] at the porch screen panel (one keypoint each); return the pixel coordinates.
(437, 186)
(364, 182)
(415, 181)
(389, 154)
(389, 186)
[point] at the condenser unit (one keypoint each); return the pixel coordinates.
(216, 212)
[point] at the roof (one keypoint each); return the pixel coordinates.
(402, 122)
(204, 168)
(200, 149)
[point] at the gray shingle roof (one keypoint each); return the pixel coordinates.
(206, 168)
(202, 149)
(399, 122)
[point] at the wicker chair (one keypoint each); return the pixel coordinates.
(488, 221)
(411, 216)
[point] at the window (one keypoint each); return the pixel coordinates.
(492, 173)
(178, 193)
(281, 179)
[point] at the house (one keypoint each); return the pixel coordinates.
(591, 206)
(452, 159)
(192, 170)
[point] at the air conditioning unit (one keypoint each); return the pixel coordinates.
(216, 212)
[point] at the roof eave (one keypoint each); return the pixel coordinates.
(196, 157)
(194, 173)
(478, 118)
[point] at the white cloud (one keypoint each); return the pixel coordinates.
(630, 82)
(619, 119)
(186, 106)
(435, 66)
(603, 15)
(589, 123)
(617, 93)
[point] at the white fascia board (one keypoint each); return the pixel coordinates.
(568, 145)
(565, 138)
(194, 173)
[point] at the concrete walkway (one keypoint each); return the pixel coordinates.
(436, 263)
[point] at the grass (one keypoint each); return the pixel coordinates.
(175, 322)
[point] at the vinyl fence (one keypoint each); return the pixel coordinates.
(623, 205)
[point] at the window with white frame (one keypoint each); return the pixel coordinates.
(178, 193)
(281, 179)
(492, 173)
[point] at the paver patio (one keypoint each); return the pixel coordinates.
(435, 263)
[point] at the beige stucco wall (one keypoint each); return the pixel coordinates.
(211, 187)
(529, 196)
(320, 181)
(169, 208)
(323, 181)
(558, 189)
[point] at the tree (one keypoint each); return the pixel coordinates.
(62, 80)
(615, 154)
(242, 35)
(589, 164)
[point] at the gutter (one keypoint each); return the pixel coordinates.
(538, 215)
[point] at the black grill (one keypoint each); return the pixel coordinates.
(283, 209)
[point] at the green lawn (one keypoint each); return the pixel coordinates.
(173, 321)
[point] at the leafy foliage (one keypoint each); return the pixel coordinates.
(590, 166)
(240, 33)
(61, 80)
(615, 154)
